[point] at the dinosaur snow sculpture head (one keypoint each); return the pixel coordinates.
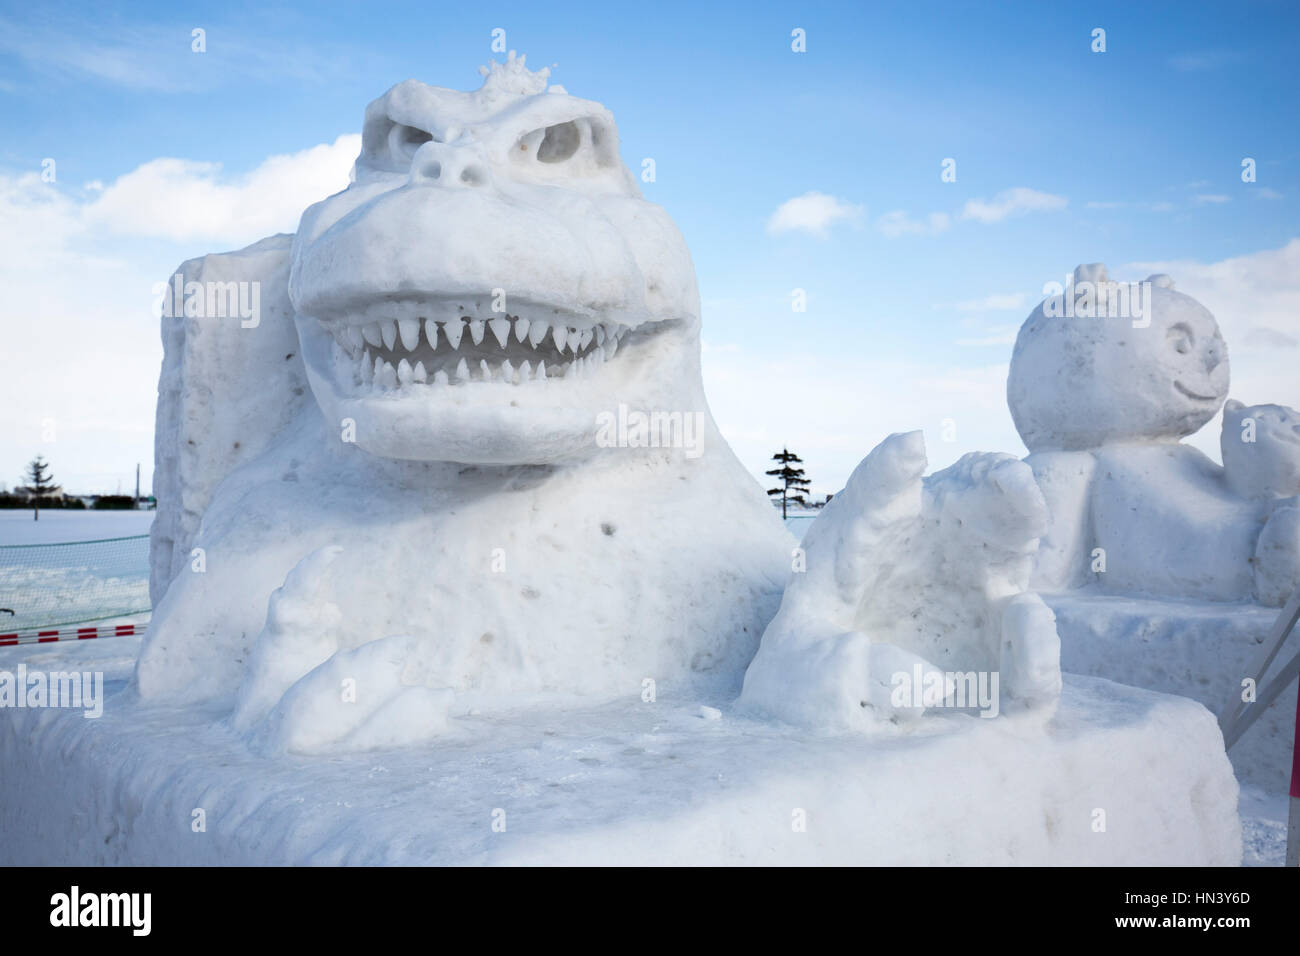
(492, 278)
(1117, 362)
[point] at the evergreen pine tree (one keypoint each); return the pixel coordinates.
(793, 483)
(40, 484)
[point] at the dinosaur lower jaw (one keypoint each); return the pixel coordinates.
(416, 352)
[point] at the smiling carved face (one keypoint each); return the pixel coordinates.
(1084, 380)
(492, 280)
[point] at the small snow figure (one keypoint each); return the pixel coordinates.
(911, 576)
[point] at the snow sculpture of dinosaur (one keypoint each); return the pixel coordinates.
(508, 483)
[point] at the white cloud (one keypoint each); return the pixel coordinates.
(79, 290)
(998, 301)
(182, 199)
(1214, 198)
(1012, 202)
(997, 335)
(1256, 300)
(832, 408)
(1263, 192)
(813, 212)
(896, 223)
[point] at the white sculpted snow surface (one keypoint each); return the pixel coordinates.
(454, 523)
(914, 597)
(460, 470)
(1156, 557)
(1102, 396)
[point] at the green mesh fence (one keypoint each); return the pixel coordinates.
(49, 585)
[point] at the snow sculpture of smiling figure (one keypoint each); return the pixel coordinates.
(1102, 397)
(453, 523)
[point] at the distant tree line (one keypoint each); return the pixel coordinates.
(41, 492)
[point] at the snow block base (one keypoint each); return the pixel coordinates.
(1196, 650)
(629, 782)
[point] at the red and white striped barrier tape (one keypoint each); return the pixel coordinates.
(71, 634)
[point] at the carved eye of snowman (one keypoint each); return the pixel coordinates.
(1180, 336)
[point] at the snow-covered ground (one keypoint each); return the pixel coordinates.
(56, 527)
(72, 583)
(629, 782)
(616, 782)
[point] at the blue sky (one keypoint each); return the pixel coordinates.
(1063, 155)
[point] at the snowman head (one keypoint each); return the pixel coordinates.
(1108, 362)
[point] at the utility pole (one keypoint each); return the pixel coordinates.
(137, 486)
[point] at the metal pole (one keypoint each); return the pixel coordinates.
(1286, 620)
(1293, 818)
(1267, 694)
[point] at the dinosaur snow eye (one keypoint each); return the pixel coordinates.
(582, 146)
(403, 141)
(559, 143)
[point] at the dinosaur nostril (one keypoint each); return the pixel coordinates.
(471, 176)
(427, 169)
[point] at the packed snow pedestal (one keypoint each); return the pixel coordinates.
(1200, 650)
(1118, 776)
(1158, 561)
(456, 512)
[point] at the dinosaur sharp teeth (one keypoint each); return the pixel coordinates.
(409, 330)
(453, 329)
(371, 354)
